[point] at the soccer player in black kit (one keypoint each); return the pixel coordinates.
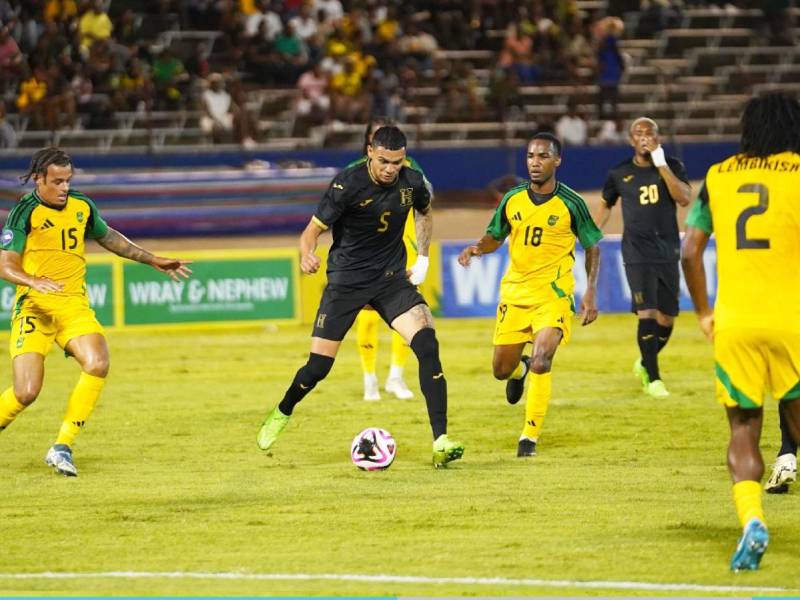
(366, 206)
(650, 186)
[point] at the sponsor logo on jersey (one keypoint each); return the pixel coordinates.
(365, 202)
(47, 224)
(338, 186)
(627, 178)
(517, 216)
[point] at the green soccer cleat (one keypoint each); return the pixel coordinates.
(656, 389)
(446, 450)
(751, 547)
(641, 373)
(60, 458)
(273, 425)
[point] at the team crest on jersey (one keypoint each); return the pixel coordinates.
(6, 237)
(552, 220)
(80, 217)
(406, 196)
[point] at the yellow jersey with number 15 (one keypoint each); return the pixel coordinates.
(52, 240)
(752, 206)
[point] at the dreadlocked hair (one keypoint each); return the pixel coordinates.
(770, 125)
(42, 159)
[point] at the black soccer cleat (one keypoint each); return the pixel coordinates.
(526, 448)
(515, 387)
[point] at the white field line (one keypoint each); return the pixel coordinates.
(410, 579)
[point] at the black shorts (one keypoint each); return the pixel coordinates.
(654, 285)
(341, 304)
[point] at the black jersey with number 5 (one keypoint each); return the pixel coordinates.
(650, 229)
(367, 221)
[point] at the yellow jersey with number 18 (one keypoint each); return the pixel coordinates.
(752, 206)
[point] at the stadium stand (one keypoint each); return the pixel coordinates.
(472, 73)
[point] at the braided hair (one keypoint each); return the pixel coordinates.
(42, 159)
(770, 125)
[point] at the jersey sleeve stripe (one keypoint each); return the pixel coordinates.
(319, 223)
(19, 215)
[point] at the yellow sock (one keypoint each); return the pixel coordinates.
(10, 407)
(400, 351)
(81, 402)
(518, 372)
(367, 338)
(747, 497)
(536, 404)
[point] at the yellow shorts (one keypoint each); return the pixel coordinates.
(519, 324)
(39, 321)
(750, 362)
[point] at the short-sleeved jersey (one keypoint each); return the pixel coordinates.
(52, 240)
(410, 232)
(367, 221)
(541, 232)
(751, 205)
(649, 214)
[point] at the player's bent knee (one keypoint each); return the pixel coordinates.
(97, 366)
(27, 394)
(424, 343)
(502, 371)
(317, 368)
(541, 364)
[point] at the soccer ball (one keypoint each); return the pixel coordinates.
(373, 449)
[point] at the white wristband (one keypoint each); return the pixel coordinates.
(419, 270)
(657, 156)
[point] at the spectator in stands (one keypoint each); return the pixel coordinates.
(611, 132)
(305, 23)
(417, 44)
(169, 78)
(81, 87)
(8, 137)
(60, 10)
(572, 127)
(579, 54)
(31, 97)
(333, 9)
(517, 54)
(292, 52)
(313, 101)
(28, 27)
(197, 64)
(610, 65)
(11, 59)
(133, 89)
(504, 96)
(350, 102)
(264, 13)
(779, 21)
(94, 25)
(221, 115)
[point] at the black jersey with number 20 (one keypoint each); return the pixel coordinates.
(650, 224)
(367, 221)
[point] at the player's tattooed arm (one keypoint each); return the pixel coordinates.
(115, 242)
(423, 224)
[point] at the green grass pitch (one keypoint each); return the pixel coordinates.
(624, 489)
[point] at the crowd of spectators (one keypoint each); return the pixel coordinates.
(75, 63)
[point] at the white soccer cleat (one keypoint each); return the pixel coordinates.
(784, 473)
(398, 387)
(60, 458)
(372, 390)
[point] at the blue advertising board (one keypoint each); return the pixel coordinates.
(473, 291)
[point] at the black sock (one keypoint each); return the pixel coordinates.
(663, 333)
(306, 378)
(431, 379)
(647, 336)
(788, 445)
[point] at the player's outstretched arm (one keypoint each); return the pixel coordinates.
(115, 242)
(310, 262)
(486, 245)
(694, 244)
(589, 300)
(11, 270)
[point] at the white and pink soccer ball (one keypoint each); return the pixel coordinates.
(373, 449)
